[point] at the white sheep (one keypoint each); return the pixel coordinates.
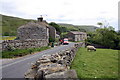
(90, 48)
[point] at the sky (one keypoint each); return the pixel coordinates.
(77, 12)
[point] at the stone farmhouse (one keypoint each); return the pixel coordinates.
(36, 30)
(31, 35)
(76, 36)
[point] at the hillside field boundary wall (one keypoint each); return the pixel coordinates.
(23, 44)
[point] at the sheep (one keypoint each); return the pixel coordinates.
(91, 48)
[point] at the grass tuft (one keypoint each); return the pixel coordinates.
(21, 52)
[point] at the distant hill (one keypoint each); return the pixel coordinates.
(10, 24)
(88, 28)
(84, 28)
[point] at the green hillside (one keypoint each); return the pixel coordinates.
(89, 28)
(10, 24)
(84, 28)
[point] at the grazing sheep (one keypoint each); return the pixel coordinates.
(90, 48)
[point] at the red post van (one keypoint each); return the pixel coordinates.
(65, 41)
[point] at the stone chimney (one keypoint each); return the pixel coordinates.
(40, 19)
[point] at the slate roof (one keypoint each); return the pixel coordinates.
(42, 23)
(32, 24)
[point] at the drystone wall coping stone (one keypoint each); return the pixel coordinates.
(64, 74)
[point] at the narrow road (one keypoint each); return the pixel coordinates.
(17, 67)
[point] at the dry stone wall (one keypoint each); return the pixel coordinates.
(54, 66)
(23, 44)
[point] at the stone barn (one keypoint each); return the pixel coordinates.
(77, 36)
(36, 30)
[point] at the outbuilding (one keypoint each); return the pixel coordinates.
(77, 36)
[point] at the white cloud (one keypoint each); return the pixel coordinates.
(65, 11)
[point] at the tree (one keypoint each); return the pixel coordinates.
(118, 32)
(105, 37)
(63, 29)
(111, 28)
(104, 24)
(56, 26)
(101, 24)
(51, 39)
(82, 30)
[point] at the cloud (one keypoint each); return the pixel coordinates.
(64, 11)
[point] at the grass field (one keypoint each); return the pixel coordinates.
(100, 64)
(10, 24)
(21, 52)
(8, 38)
